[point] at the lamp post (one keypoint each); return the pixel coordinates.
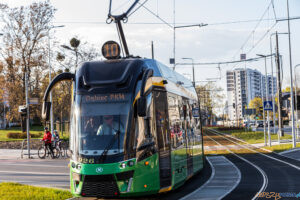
(50, 70)
(267, 96)
(291, 77)
(193, 69)
(176, 27)
(296, 96)
(273, 99)
(4, 117)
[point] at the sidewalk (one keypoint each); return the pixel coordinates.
(10, 153)
(16, 153)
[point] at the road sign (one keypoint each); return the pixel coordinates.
(195, 112)
(33, 100)
(243, 56)
(268, 105)
(172, 60)
(250, 111)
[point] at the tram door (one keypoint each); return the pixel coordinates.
(163, 137)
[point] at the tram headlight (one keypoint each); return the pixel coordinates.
(78, 166)
(123, 165)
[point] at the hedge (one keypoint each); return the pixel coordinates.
(14, 135)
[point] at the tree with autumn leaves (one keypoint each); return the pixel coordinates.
(25, 49)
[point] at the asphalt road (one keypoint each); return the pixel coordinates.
(265, 172)
(46, 173)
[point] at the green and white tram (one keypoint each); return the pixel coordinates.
(133, 131)
(135, 127)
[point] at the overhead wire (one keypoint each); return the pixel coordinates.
(253, 31)
(122, 5)
(157, 16)
(141, 4)
(178, 23)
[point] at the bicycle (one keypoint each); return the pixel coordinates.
(63, 149)
(44, 152)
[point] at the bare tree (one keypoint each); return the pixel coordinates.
(24, 35)
(211, 99)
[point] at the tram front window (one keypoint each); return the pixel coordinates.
(102, 125)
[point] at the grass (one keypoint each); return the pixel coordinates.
(255, 137)
(16, 191)
(281, 147)
(33, 129)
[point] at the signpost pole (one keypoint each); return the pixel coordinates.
(27, 117)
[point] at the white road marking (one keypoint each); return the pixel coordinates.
(36, 165)
(208, 181)
(265, 178)
(221, 134)
(289, 151)
(40, 173)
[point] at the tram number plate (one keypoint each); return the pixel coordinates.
(87, 160)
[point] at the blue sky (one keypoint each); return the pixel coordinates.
(212, 43)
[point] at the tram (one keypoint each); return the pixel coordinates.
(134, 127)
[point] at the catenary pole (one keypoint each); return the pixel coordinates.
(291, 77)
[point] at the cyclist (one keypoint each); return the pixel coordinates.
(47, 139)
(56, 138)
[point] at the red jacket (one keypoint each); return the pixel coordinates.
(47, 137)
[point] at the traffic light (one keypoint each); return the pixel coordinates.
(233, 105)
(261, 109)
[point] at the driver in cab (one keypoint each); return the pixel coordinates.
(109, 126)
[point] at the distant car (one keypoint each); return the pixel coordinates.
(259, 124)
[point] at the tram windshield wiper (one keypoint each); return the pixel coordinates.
(109, 146)
(112, 142)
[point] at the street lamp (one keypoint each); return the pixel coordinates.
(273, 99)
(296, 99)
(267, 98)
(174, 37)
(193, 69)
(50, 69)
(291, 77)
(4, 117)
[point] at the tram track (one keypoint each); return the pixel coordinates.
(263, 174)
(281, 173)
(252, 148)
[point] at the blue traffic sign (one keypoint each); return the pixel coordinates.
(195, 112)
(268, 105)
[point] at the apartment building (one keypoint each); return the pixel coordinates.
(242, 86)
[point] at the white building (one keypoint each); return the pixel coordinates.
(242, 86)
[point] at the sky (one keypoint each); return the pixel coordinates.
(219, 41)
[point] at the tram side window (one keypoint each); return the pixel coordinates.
(182, 114)
(144, 130)
(162, 121)
(174, 121)
(196, 127)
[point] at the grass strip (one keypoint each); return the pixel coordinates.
(16, 191)
(281, 147)
(256, 137)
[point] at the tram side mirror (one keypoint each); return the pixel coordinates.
(141, 106)
(146, 145)
(46, 110)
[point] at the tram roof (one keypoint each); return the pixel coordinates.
(120, 70)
